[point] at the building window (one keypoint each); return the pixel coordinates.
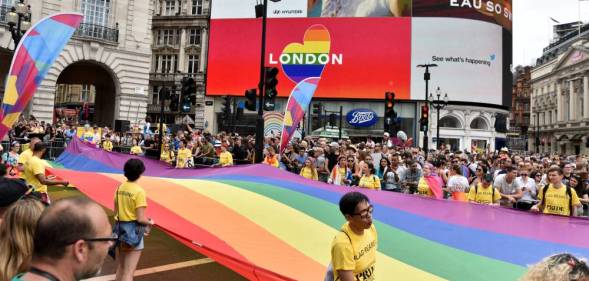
(449, 122)
(169, 7)
(96, 11)
(193, 61)
(166, 63)
(155, 95)
(168, 37)
(7, 3)
(197, 7)
(479, 124)
(194, 37)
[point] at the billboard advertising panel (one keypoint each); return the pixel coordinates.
(374, 47)
(356, 66)
(472, 73)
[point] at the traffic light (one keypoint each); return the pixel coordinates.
(390, 116)
(270, 93)
(250, 103)
(174, 99)
(317, 109)
(226, 107)
(187, 94)
(332, 119)
(424, 120)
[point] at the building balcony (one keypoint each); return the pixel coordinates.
(175, 77)
(98, 32)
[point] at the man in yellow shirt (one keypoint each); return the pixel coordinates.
(556, 198)
(184, 155)
(225, 158)
(35, 173)
(353, 249)
(484, 192)
(26, 155)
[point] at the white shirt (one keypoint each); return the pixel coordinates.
(457, 183)
(529, 187)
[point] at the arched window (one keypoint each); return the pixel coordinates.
(478, 124)
(449, 122)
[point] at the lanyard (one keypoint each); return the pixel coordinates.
(43, 273)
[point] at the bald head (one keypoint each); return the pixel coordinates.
(65, 222)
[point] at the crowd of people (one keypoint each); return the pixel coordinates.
(551, 184)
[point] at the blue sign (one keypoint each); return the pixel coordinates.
(362, 117)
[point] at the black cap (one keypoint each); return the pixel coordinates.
(11, 190)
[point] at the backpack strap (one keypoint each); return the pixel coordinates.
(544, 189)
(570, 195)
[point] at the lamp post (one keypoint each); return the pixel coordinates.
(261, 11)
(19, 20)
(438, 104)
(426, 77)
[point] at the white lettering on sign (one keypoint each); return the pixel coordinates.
(362, 117)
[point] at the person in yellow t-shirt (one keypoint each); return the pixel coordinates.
(557, 199)
(107, 144)
(130, 206)
(35, 173)
(353, 249)
(167, 155)
(308, 171)
(184, 155)
(26, 155)
(225, 158)
(136, 149)
(484, 192)
(369, 179)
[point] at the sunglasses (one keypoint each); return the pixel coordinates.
(113, 237)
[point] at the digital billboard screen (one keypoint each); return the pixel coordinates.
(372, 47)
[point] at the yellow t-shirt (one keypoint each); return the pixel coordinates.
(356, 253)
(225, 158)
(370, 182)
(483, 195)
(184, 154)
(25, 156)
(128, 198)
(107, 145)
(423, 188)
(136, 150)
(167, 156)
(34, 167)
(557, 200)
(308, 173)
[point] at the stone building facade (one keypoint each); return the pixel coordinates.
(560, 99)
(111, 51)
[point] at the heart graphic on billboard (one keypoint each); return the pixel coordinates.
(302, 61)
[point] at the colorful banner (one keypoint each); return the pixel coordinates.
(272, 123)
(495, 11)
(33, 57)
(297, 67)
(268, 224)
(357, 67)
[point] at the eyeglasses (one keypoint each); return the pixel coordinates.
(364, 213)
(113, 237)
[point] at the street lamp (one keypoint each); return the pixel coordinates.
(426, 77)
(19, 20)
(438, 104)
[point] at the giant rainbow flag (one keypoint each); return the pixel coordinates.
(267, 224)
(34, 56)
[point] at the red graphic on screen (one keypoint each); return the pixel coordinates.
(368, 57)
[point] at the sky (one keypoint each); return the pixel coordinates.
(532, 26)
